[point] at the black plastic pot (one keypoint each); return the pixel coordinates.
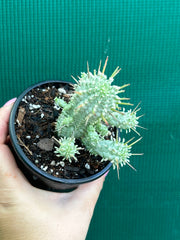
(35, 175)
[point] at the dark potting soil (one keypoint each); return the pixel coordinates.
(35, 130)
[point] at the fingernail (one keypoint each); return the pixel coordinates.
(106, 173)
(10, 102)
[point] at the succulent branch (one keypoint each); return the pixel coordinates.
(93, 109)
(67, 149)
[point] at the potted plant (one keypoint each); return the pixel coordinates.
(67, 134)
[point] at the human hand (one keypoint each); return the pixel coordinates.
(28, 213)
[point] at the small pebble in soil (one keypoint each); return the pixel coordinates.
(34, 106)
(87, 166)
(62, 164)
(56, 107)
(53, 163)
(44, 168)
(24, 100)
(46, 144)
(62, 90)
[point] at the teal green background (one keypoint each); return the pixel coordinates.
(41, 40)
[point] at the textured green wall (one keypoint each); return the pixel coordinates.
(45, 39)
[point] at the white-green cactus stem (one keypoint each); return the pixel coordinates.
(110, 150)
(67, 149)
(93, 109)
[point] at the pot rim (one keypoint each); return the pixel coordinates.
(27, 161)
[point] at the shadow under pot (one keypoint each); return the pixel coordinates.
(33, 139)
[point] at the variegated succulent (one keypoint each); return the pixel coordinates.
(95, 107)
